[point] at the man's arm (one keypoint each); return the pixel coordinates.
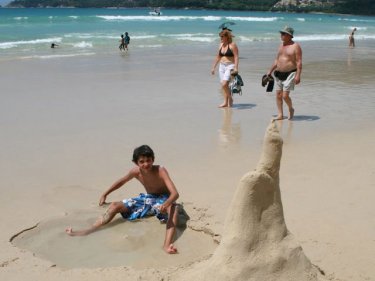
(116, 185)
(173, 194)
(297, 79)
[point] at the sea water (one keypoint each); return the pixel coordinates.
(28, 33)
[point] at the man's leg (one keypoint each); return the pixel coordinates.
(171, 229)
(279, 103)
(114, 208)
(288, 101)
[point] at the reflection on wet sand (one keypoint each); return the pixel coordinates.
(229, 133)
(349, 58)
(285, 130)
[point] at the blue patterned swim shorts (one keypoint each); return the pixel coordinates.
(145, 205)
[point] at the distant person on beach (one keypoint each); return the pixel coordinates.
(122, 43)
(127, 40)
(227, 56)
(351, 38)
(53, 45)
(158, 201)
(288, 68)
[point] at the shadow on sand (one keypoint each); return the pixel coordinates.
(243, 106)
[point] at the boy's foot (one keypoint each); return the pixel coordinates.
(223, 105)
(70, 232)
(171, 249)
(291, 113)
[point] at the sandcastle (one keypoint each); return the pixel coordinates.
(256, 244)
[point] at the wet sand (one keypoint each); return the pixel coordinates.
(69, 127)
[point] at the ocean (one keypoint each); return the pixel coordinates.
(28, 33)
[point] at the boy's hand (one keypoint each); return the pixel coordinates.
(163, 209)
(102, 200)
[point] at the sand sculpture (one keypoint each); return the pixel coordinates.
(256, 244)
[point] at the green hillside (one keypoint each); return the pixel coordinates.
(365, 7)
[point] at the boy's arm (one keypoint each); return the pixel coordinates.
(173, 193)
(117, 185)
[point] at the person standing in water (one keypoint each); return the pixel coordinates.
(351, 38)
(126, 40)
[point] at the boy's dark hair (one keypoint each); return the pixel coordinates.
(143, 150)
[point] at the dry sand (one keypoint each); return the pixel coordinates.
(69, 128)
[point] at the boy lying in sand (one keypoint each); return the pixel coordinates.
(159, 199)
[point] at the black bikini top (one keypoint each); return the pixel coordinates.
(228, 53)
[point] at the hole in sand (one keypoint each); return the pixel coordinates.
(122, 243)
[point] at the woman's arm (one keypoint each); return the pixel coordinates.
(236, 57)
(216, 61)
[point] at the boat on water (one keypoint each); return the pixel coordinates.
(155, 12)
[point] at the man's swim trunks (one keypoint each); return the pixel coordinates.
(145, 205)
(285, 80)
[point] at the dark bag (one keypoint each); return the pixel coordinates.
(236, 84)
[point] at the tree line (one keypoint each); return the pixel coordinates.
(364, 7)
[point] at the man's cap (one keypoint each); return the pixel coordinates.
(226, 28)
(287, 30)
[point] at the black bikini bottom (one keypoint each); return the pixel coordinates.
(283, 75)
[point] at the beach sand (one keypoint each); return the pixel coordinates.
(69, 127)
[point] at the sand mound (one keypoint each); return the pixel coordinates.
(121, 243)
(256, 244)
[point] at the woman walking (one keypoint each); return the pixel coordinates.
(227, 56)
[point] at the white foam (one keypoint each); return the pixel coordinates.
(323, 37)
(356, 20)
(150, 46)
(265, 19)
(158, 18)
(301, 19)
(188, 34)
(7, 45)
(20, 18)
(254, 39)
(83, 44)
(197, 39)
(144, 37)
(358, 28)
(331, 37)
(57, 56)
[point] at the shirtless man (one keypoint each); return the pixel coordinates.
(288, 68)
(159, 199)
